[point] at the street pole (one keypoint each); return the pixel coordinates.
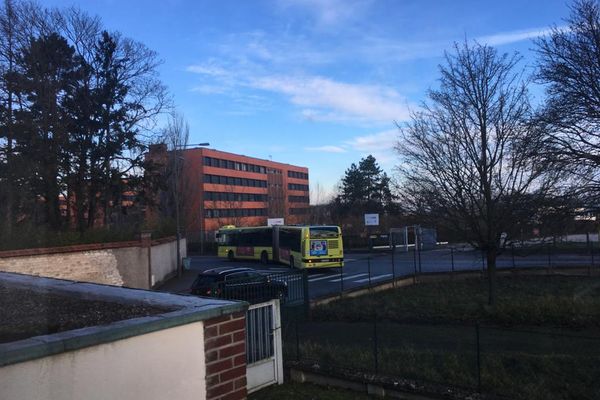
(177, 225)
(176, 151)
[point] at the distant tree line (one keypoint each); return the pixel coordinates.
(78, 104)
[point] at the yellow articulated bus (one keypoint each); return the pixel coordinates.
(313, 246)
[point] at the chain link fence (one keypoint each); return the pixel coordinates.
(524, 364)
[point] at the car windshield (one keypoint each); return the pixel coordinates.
(204, 280)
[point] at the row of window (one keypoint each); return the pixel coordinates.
(297, 175)
(235, 212)
(228, 196)
(298, 199)
(238, 166)
(296, 186)
(298, 211)
(230, 180)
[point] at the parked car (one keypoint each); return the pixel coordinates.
(238, 284)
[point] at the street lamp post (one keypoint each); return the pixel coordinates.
(176, 198)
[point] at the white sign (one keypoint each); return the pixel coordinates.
(275, 221)
(371, 219)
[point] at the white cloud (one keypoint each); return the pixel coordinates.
(330, 12)
(503, 38)
(380, 141)
(208, 69)
(380, 145)
(327, 149)
(333, 100)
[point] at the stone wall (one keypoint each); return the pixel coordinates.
(136, 264)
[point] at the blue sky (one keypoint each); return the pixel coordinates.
(318, 83)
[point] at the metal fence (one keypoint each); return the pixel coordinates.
(392, 264)
(506, 362)
(289, 287)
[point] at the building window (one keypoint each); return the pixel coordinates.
(297, 175)
(230, 180)
(295, 186)
(298, 199)
(234, 212)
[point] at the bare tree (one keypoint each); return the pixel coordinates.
(176, 137)
(469, 158)
(569, 65)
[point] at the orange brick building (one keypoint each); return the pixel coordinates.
(223, 188)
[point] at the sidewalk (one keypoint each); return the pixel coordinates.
(180, 285)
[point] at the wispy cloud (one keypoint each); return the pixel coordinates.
(319, 98)
(381, 145)
(327, 149)
(330, 12)
(499, 39)
(379, 141)
(330, 99)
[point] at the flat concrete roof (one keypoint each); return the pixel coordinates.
(186, 309)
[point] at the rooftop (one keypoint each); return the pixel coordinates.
(43, 316)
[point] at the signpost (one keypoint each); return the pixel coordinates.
(371, 219)
(275, 221)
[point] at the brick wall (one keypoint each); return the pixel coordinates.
(225, 349)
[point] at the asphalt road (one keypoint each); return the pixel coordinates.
(362, 269)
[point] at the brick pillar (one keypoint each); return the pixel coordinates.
(225, 349)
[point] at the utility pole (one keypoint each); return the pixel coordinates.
(176, 198)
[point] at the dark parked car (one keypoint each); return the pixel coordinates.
(238, 284)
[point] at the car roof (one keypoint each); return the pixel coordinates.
(225, 270)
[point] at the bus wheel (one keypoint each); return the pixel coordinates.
(292, 262)
(230, 255)
(264, 258)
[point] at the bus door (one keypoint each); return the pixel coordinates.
(276, 243)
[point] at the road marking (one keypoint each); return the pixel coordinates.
(320, 277)
(373, 278)
(348, 277)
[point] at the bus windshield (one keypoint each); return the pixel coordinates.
(324, 232)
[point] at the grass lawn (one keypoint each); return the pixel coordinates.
(306, 391)
(548, 301)
(541, 341)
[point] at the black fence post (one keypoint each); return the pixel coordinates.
(482, 262)
(369, 265)
(415, 264)
(592, 254)
(549, 259)
(452, 260)
(419, 250)
(512, 252)
(341, 281)
(305, 293)
(297, 340)
(477, 346)
(393, 267)
(375, 345)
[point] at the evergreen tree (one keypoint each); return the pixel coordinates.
(48, 82)
(365, 188)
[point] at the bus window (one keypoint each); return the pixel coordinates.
(323, 232)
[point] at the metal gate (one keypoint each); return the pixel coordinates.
(264, 357)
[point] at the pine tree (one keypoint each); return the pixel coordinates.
(365, 188)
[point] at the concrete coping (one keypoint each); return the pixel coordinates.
(185, 310)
